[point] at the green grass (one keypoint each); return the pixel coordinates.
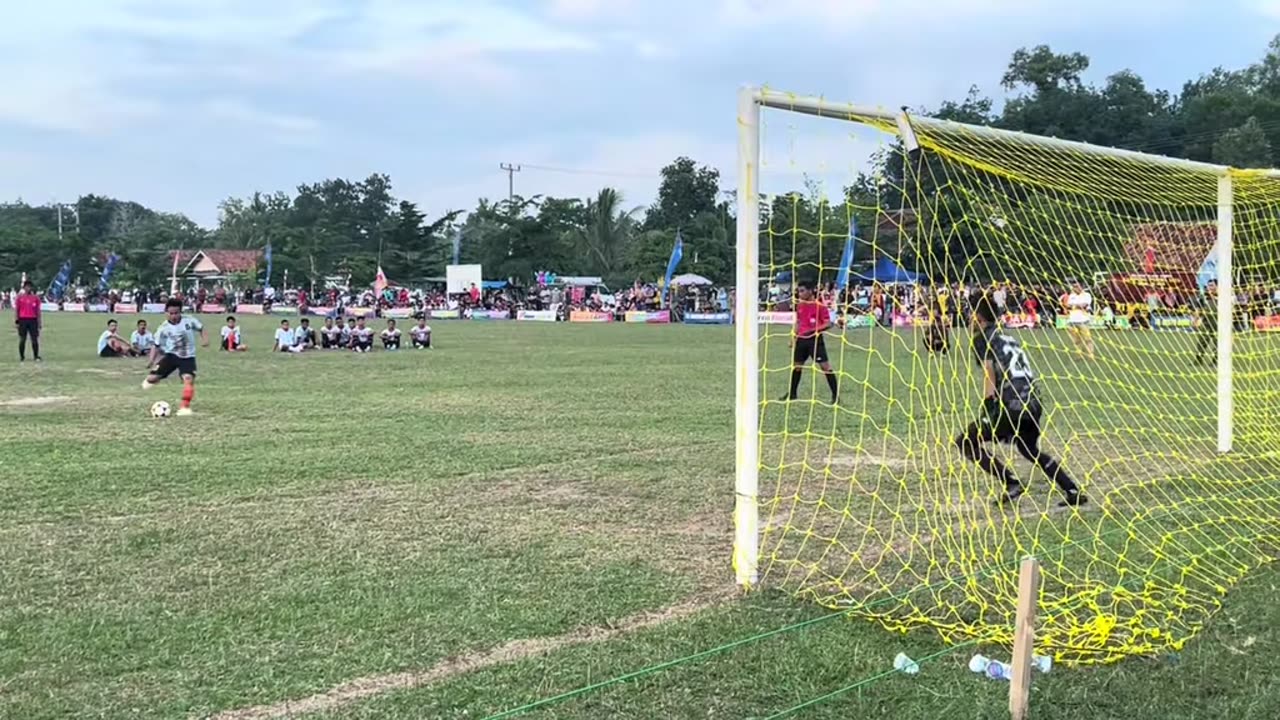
(329, 517)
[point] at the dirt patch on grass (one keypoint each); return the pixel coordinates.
(36, 401)
(509, 652)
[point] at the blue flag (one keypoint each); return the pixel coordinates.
(266, 254)
(677, 252)
(60, 280)
(110, 267)
(846, 258)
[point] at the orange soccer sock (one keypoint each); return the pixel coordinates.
(188, 392)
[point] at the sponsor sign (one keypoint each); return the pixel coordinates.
(444, 314)
(98, 307)
(708, 318)
(126, 308)
(859, 321)
(773, 317)
(212, 308)
(1019, 321)
(642, 316)
(249, 310)
(1172, 322)
(321, 311)
(73, 307)
(537, 315)
(490, 315)
(50, 307)
(153, 308)
(584, 316)
(361, 312)
(398, 313)
(284, 310)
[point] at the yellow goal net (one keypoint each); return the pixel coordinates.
(1105, 268)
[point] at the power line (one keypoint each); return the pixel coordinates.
(584, 171)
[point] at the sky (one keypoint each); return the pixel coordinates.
(179, 104)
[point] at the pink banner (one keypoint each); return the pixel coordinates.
(640, 316)
(73, 307)
(213, 308)
(126, 308)
(591, 317)
(249, 310)
(1268, 323)
(1019, 320)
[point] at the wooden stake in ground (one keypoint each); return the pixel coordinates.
(1024, 637)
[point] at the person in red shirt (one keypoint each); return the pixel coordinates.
(812, 319)
(26, 316)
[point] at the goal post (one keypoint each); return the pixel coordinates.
(872, 503)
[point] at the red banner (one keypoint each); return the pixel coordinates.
(1267, 323)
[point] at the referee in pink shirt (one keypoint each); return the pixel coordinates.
(26, 316)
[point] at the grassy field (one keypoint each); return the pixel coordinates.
(524, 511)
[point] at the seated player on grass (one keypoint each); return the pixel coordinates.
(391, 336)
(286, 339)
(345, 338)
(330, 335)
(142, 340)
(1011, 410)
(231, 336)
(421, 335)
(306, 336)
(110, 344)
(361, 337)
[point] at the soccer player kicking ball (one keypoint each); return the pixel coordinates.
(176, 348)
(812, 319)
(1011, 409)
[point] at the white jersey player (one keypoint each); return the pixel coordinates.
(1079, 317)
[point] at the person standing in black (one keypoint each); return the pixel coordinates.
(1011, 410)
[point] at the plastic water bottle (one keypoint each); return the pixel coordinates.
(993, 669)
(904, 664)
(1043, 663)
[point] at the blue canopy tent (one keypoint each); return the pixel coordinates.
(888, 271)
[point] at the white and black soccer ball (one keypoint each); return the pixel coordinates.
(160, 409)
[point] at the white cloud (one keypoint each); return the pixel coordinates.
(1267, 8)
(283, 126)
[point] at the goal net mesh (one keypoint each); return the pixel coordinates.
(870, 506)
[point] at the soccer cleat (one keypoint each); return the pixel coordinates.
(1011, 494)
(1074, 500)
(146, 385)
(787, 398)
(185, 411)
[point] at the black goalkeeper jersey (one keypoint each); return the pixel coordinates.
(1015, 382)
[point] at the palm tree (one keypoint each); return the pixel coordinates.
(607, 233)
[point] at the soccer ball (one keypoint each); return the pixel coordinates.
(160, 409)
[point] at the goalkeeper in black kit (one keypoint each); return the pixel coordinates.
(1011, 410)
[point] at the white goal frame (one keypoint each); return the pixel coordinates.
(746, 545)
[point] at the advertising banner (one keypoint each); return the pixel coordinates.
(284, 310)
(1019, 321)
(641, 316)
(708, 318)
(213, 308)
(322, 311)
(537, 315)
(1268, 323)
(444, 314)
(1172, 322)
(98, 307)
(583, 316)
(361, 312)
(126, 308)
(73, 307)
(50, 307)
(773, 317)
(249, 310)
(490, 315)
(153, 308)
(398, 313)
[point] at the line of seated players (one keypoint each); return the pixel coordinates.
(355, 335)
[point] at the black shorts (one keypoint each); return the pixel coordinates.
(391, 343)
(108, 352)
(362, 345)
(28, 328)
(169, 363)
(422, 343)
(812, 347)
(1001, 424)
(327, 342)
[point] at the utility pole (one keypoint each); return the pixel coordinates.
(511, 181)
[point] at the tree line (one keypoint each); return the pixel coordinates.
(346, 227)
